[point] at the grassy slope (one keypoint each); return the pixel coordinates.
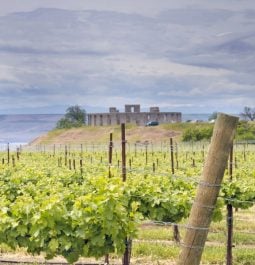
(101, 134)
(86, 134)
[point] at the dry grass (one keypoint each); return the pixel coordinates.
(101, 135)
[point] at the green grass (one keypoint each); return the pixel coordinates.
(212, 254)
(154, 251)
(156, 242)
(156, 233)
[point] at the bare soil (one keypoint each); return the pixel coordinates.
(25, 259)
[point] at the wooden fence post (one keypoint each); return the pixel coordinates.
(176, 232)
(127, 254)
(8, 153)
(172, 154)
(176, 156)
(208, 190)
(146, 154)
(110, 155)
(230, 216)
(65, 155)
(107, 257)
(123, 151)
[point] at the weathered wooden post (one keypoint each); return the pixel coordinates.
(13, 161)
(208, 190)
(106, 258)
(110, 154)
(74, 164)
(230, 216)
(17, 154)
(8, 153)
(172, 154)
(127, 254)
(176, 232)
(65, 155)
(176, 156)
(146, 154)
(81, 149)
(153, 167)
(123, 151)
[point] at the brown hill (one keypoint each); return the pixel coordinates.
(101, 135)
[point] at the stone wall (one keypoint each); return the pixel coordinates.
(138, 118)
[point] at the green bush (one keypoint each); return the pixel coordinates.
(197, 133)
(75, 117)
(65, 123)
(245, 131)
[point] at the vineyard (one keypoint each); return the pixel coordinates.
(81, 201)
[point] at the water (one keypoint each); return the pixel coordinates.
(193, 117)
(22, 129)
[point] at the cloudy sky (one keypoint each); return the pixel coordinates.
(181, 55)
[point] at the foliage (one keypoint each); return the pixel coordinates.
(46, 207)
(213, 116)
(245, 131)
(54, 210)
(75, 117)
(239, 193)
(248, 113)
(47, 210)
(197, 133)
(160, 198)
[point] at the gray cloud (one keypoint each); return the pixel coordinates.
(193, 59)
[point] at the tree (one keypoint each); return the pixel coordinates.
(213, 116)
(248, 113)
(75, 117)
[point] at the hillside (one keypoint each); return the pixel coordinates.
(101, 135)
(157, 134)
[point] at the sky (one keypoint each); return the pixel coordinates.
(190, 56)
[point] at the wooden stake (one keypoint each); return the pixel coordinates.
(146, 154)
(123, 151)
(110, 155)
(208, 190)
(65, 155)
(172, 154)
(8, 153)
(17, 154)
(127, 254)
(81, 162)
(230, 216)
(176, 156)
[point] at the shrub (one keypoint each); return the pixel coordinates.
(197, 133)
(245, 131)
(75, 117)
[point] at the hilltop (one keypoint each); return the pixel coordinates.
(142, 134)
(101, 134)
